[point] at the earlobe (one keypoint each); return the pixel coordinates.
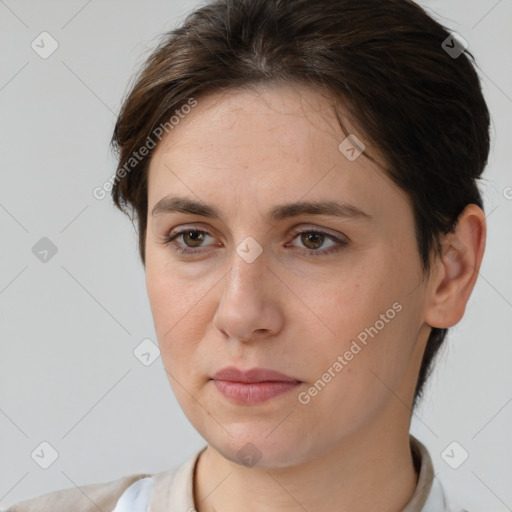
(457, 269)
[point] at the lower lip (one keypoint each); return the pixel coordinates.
(254, 392)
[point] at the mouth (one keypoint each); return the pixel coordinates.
(253, 386)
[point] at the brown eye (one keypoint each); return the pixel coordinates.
(189, 240)
(312, 240)
(195, 238)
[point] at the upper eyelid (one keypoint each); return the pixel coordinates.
(314, 229)
(324, 231)
(299, 228)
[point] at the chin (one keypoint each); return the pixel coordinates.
(256, 448)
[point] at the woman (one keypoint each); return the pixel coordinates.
(304, 177)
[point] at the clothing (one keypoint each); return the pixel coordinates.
(173, 491)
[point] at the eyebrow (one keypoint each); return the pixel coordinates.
(170, 204)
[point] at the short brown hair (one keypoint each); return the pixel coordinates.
(421, 106)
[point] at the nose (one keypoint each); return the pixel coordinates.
(249, 305)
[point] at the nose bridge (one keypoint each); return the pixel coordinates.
(246, 279)
(247, 303)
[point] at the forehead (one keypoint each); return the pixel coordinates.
(239, 120)
(260, 145)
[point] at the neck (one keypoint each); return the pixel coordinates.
(368, 471)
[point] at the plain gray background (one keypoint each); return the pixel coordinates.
(69, 326)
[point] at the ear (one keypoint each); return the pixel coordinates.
(456, 270)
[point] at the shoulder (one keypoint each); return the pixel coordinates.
(88, 498)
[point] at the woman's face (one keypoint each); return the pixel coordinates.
(334, 299)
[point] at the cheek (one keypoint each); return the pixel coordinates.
(351, 381)
(349, 303)
(370, 319)
(174, 299)
(179, 319)
(177, 311)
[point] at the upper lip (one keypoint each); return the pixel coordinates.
(252, 375)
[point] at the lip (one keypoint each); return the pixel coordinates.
(252, 386)
(253, 375)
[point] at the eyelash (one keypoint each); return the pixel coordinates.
(340, 243)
